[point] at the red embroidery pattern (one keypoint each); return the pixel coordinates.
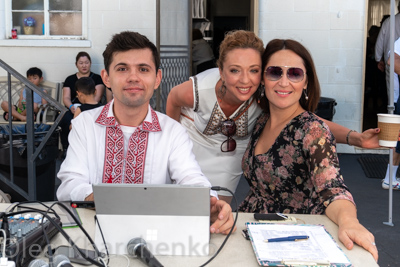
(114, 156)
(115, 171)
(135, 158)
(154, 125)
(103, 119)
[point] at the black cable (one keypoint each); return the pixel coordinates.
(86, 257)
(218, 188)
(49, 251)
(42, 226)
(102, 237)
(33, 209)
(66, 236)
(6, 229)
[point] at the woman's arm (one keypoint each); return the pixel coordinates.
(99, 92)
(67, 96)
(344, 214)
(331, 190)
(366, 139)
(179, 96)
(109, 95)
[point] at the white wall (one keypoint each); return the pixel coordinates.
(105, 18)
(174, 22)
(334, 33)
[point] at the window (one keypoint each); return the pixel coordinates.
(47, 19)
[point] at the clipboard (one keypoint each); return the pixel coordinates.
(319, 250)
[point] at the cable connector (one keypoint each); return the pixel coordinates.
(4, 262)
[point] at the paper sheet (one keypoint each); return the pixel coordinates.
(320, 247)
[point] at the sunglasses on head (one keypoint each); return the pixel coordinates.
(274, 73)
(228, 128)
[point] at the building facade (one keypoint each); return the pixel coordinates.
(333, 30)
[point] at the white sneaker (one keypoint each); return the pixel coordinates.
(395, 185)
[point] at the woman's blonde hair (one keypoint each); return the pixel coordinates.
(238, 39)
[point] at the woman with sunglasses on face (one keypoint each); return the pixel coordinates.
(219, 111)
(291, 163)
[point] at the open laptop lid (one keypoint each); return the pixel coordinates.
(170, 218)
(147, 199)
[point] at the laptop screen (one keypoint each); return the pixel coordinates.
(171, 217)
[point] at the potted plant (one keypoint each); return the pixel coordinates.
(29, 24)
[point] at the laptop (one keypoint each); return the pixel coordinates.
(172, 219)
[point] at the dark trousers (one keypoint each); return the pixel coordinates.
(64, 124)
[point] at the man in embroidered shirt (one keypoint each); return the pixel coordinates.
(126, 141)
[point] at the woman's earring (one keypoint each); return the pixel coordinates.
(305, 94)
(262, 90)
(221, 92)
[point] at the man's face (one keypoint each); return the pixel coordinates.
(132, 78)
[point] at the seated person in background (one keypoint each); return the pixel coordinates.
(83, 63)
(18, 112)
(202, 54)
(291, 163)
(126, 141)
(86, 93)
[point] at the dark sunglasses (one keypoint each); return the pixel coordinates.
(228, 128)
(294, 74)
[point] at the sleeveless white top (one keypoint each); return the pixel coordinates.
(203, 121)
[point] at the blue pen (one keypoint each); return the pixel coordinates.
(288, 238)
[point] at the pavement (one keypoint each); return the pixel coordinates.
(372, 208)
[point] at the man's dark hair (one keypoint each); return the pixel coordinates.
(34, 71)
(128, 40)
(85, 85)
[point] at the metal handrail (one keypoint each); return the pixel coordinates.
(32, 152)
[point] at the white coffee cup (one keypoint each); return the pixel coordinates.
(390, 128)
(76, 105)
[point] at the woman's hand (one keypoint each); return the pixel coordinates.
(353, 231)
(344, 214)
(366, 139)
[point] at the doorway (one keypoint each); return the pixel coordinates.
(224, 16)
(375, 91)
(224, 24)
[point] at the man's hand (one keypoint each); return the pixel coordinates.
(221, 216)
(89, 197)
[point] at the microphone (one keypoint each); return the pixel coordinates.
(138, 247)
(38, 263)
(59, 261)
(62, 261)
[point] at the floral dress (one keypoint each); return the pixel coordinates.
(298, 174)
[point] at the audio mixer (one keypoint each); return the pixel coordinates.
(26, 238)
